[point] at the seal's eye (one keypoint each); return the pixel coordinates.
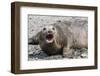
(44, 28)
(53, 28)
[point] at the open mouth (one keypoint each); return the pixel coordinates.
(49, 37)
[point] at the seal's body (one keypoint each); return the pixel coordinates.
(61, 37)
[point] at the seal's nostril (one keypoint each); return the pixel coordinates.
(49, 31)
(44, 28)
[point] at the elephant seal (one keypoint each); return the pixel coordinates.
(61, 37)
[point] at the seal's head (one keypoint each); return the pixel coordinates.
(49, 33)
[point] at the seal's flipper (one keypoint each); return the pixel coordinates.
(33, 41)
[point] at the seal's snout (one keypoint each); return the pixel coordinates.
(49, 32)
(49, 35)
